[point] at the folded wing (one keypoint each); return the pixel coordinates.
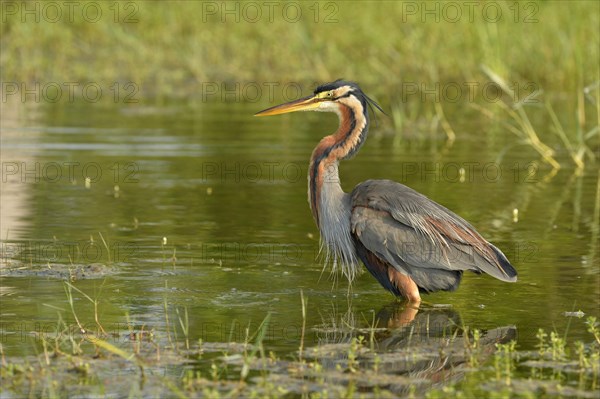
(395, 225)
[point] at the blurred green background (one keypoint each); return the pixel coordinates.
(170, 48)
(409, 55)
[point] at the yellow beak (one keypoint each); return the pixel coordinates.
(302, 104)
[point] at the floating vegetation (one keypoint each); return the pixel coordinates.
(432, 355)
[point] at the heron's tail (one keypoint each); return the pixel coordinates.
(506, 271)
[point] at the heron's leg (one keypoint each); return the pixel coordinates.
(406, 286)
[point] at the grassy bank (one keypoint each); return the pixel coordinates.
(422, 62)
(419, 359)
(169, 48)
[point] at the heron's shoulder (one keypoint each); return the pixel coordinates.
(399, 200)
(386, 190)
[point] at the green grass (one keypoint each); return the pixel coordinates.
(170, 48)
(371, 362)
(545, 52)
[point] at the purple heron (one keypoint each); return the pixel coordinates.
(408, 242)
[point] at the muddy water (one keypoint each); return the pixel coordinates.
(204, 208)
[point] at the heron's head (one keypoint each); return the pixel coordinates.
(328, 97)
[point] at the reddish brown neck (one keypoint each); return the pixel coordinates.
(344, 143)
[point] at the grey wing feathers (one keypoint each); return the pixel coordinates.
(421, 238)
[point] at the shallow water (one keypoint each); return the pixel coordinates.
(203, 207)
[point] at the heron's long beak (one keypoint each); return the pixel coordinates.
(302, 104)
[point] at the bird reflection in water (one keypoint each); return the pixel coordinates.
(433, 347)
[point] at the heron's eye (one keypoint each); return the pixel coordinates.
(325, 95)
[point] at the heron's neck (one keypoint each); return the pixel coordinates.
(324, 188)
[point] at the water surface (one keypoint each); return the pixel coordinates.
(203, 207)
